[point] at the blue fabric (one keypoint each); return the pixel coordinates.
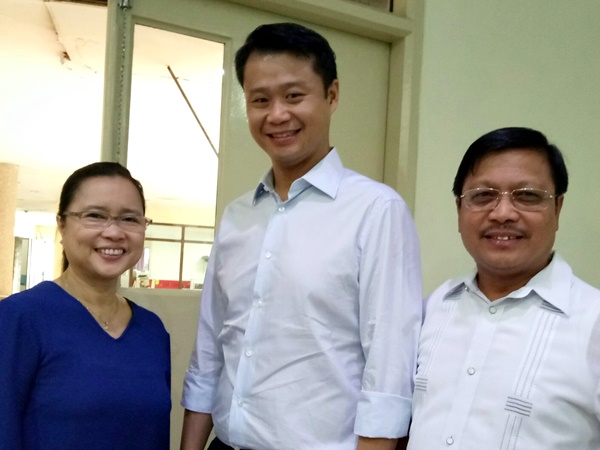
(66, 384)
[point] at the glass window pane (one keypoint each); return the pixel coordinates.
(199, 234)
(175, 124)
(163, 264)
(195, 260)
(163, 231)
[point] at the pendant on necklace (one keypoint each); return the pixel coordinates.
(105, 326)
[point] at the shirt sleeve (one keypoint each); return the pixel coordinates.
(593, 360)
(206, 362)
(19, 360)
(390, 319)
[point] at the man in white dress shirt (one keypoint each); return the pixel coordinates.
(509, 355)
(311, 306)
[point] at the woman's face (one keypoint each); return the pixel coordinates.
(103, 253)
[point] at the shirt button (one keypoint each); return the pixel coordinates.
(281, 209)
(471, 371)
(493, 310)
(248, 352)
(449, 440)
(240, 401)
(259, 304)
(268, 255)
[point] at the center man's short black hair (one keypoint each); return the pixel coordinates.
(289, 38)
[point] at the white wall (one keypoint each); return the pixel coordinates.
(487, 65)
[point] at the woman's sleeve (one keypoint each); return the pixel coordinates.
(19, 355)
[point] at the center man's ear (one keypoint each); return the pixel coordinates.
(333, 94)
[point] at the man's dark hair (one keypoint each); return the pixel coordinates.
(289, 38)
(512, 138)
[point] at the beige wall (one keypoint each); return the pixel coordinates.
(486, 65)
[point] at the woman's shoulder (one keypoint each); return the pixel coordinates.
(145, 316)
(34, 297)
(33, 308)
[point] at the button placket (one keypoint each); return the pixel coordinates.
(475, 358)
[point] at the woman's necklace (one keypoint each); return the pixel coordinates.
(103, 323)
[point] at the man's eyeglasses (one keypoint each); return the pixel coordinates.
(100, 220)
(525, 199)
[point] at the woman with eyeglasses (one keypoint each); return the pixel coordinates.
(82, 367)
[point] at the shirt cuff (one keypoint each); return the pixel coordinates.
(382, 415)
(198, 393)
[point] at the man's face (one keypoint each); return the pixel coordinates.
(507, 243)
(288, 109)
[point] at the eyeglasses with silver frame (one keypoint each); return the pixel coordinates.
(523, 199)
(100, 220)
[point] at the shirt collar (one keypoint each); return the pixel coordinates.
(457, 285)
(552, 284)
(264, 187)
(326, 176)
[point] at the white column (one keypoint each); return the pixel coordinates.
(8, 208)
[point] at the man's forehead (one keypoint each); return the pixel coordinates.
(500, 155)
(514, 165)
(274, 53)
(274, 59)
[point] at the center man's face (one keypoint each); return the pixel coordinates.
(288, 109)
(507, 242)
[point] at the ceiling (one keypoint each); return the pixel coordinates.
(52, 54)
